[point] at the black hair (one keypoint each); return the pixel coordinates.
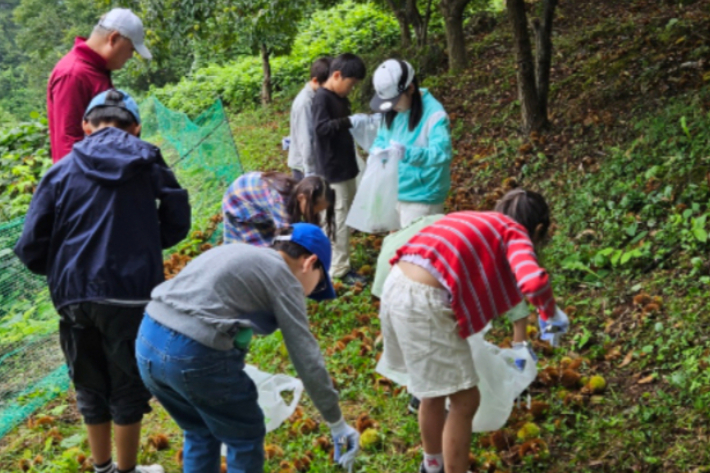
(314, 188)
(416, 111)
(529, 209)
(350, 66)
(320, 69)
(112, 112)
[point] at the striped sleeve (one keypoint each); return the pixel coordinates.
(533, 281)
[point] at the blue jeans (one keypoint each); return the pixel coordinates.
(208, 394)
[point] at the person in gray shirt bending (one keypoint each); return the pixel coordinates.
(195, 335)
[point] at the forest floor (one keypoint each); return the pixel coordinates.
(625, 167)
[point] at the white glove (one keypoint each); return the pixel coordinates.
(396, 150)
(359, 119)
(347, 443)
(551, 330)
(375, 119)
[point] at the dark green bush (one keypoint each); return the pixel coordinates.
(24, 158)
(348, 27)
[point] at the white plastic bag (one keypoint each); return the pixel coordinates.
(270, 387)
(361, 165)
(374, 209)
(365, 131)
(500, 381)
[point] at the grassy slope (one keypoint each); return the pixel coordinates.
(624, 167)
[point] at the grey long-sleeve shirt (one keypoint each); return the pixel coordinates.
(239, 285)
(301, 153)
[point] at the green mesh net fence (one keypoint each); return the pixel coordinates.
(201, 152)
(204, 157)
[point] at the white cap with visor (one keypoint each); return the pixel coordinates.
(127, 24)
(392, 79)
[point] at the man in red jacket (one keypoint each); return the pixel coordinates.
(86, 71)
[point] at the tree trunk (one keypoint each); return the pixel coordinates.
(543, 53)
(527, 88)
(266, 84)
(419, 21)
(400, 12)
(427, 20)
(452, 11)
(415, 19)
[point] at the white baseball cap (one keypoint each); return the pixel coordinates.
(129, 25)
(391, 80)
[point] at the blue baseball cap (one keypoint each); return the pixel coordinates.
(312, 238)
(127, 103)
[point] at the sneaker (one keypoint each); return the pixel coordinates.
(149, 469)
(413, 405)
(351, 278)
(113, 468)
(423, 470)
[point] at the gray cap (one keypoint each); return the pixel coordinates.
(129, 25)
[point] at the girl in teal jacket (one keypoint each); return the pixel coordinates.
(416, 130)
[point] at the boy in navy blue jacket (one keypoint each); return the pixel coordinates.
(96, 227)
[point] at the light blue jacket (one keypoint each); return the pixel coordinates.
(424, 172)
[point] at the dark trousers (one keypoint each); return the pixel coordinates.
(98, 341)
(298, 175)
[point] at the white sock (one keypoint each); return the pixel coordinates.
(108, 467)
(434, 463)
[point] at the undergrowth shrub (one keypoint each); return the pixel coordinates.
(24, 158)
(647, 205)
(347, 27)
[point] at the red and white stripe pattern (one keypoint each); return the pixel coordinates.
(488, 263)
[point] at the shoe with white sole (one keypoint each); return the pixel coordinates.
(149, 469)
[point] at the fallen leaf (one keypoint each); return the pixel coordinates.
(647, 380)
(627, 359)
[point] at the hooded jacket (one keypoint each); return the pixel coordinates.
(100, 218)
(424, 171)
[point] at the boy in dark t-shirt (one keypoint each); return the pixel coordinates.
(335, 150)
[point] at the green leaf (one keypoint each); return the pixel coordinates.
(615, 258)
(639, 237)
(700, 234)
(59, 410)
(684, 126)
(626, 257)
(73, 441)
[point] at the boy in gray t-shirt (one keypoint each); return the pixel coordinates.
(194, 337)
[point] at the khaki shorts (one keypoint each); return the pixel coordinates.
(409, 212)
(422, 347)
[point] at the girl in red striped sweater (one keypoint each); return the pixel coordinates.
(446, 284)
